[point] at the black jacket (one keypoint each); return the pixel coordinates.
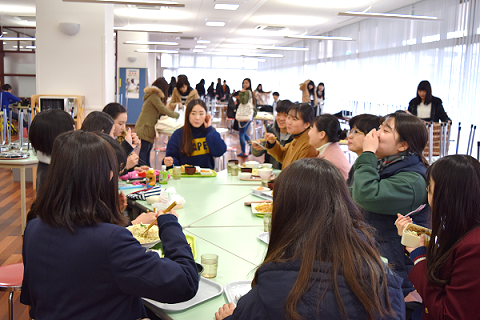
(267, 299)
(437, 112)
(200, 89)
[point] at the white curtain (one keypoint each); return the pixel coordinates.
(380, 71)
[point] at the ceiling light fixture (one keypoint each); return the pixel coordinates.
(156, 50)
(387, 16)
(16, 39)
(215, 23)
(265, 55)
(282, 48)
(133, 2)
(30, 47)
(203, 41)
(160, 43)
(139, 29)
(197, 50)
(320, 38)
(224, 6)
(200, 47)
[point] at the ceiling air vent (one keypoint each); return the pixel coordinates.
(184, 49)
(270, 28)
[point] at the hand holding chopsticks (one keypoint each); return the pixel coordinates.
(170, 207)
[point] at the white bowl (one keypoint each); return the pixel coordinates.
(252, 164)
(205, 172)
(267, 165)
(265, 174)
(411, 240)
(244, 175)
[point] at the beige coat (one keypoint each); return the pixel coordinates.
(306, 94)
(152, 109)
(176, 98)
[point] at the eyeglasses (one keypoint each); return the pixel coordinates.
(354, 132)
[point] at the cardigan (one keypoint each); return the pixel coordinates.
(459, 298)
(297, 149)
(207, 144)
(177, 98)
(335, 155)
(271, 128)
(267, 299)
(152, 109)
(102, 271)
(306, 93)
(436, 111)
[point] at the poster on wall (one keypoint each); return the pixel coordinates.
(133, 81)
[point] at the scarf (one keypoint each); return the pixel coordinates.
(385, 162)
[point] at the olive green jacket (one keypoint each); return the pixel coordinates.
(152, 109)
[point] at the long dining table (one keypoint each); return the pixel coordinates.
(215, 214)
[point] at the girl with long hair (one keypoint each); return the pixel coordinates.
(321, 261)
(427, 107)
(97, 121)
(197, 142)
(308, 93)
(154, 102)
(445, 270)
(324, 136)
(299, 120)
(245, 97)
(390, 178)
(80, 262)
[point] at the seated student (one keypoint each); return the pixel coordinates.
(182, 93)
(445, 269)
(45, 128)
(279, 129)
(79, 246)
(97, 121)
(321, 261)
(7, 99)
(324, 136)
(390, 178)
(128, 139)
(299, 119)
(359, 127)
(197, 142)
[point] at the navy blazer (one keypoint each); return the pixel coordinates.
(101, 272)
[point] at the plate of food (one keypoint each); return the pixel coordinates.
(147, 241)
(411, 235)
(262, 208)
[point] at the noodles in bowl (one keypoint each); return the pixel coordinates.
(150, 240)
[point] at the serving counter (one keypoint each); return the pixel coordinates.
(215, 214)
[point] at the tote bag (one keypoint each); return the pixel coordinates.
(168, 124)
(245, 111)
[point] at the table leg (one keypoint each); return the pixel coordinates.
(23, 198)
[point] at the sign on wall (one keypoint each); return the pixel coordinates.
(133, 83)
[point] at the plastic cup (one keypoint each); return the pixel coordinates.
(234, 170)
(177, 173)
(210, 265)
(267, 222)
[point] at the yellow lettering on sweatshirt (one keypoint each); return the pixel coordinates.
(200, 147)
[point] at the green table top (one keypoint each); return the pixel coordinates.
(215, 214)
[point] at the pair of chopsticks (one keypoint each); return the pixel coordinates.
(249, 203)
(260, 140)
(416, 210)
(170, 207)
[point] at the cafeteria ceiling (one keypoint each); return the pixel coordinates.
(248, 24)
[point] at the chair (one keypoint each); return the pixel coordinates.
(230, 122)
(11, 277)
(157, 151)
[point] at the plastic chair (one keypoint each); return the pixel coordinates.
(11, 277)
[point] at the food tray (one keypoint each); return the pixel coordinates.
(264, 236)
(234, 288)
(195, 175)
(257, 213)
(267, 195)
(207, 289)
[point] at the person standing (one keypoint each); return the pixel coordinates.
(171, 86)
(153, 107)
(308, 93)
(427, 107)
(245, 113)
(276, 100)
(200, 87)
(219, 89)
(183, 93)
(225, 91)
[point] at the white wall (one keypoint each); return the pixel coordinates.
(82, 64)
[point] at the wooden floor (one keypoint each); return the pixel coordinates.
(10, 225)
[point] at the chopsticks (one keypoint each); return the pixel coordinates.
(260, 140)
(249, 203)
(170, 207)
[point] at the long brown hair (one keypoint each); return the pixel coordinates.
(412, 130)
(162, 84)
(187, 145)
(79, 189)
(318, 223)
(455, 209)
